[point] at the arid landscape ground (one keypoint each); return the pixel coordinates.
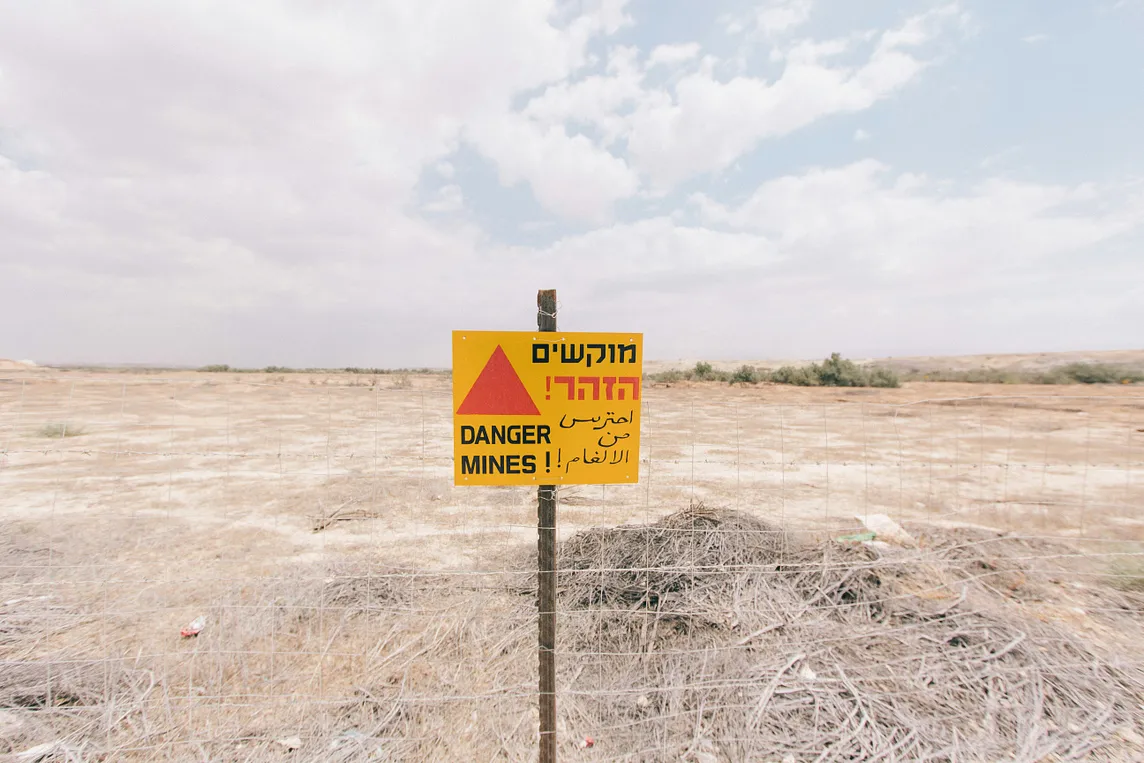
(357, 605)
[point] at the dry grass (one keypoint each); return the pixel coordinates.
(708, 636)
(69, 709)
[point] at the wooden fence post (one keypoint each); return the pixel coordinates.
(546, 575)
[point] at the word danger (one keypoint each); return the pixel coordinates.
(578, 386)
(583, 353)
(515, 434)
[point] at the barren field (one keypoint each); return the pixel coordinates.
(358, 606)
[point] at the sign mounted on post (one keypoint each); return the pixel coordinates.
(558, 408)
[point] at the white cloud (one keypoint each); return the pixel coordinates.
(861, 135)
(449, 199)
(910, 224)
(920, 29)
(1001, 157)
(569, 174)
(608, 16)
(673, 55)
(595, 100)
(859, 259)
(657, 248)
(781, 16)
(695, 124)
(206, 158)
(705, 124)
(267, 76)
(445, 169)
(1033, 39)
(770, 19)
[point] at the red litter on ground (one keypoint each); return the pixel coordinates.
(588, 742)
(194, 628)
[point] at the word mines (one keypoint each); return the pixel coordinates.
(525, 411)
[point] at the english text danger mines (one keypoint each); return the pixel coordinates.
(515, 434)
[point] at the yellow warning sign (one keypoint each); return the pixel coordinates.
(534, 408)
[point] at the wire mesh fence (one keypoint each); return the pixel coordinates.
(734, 605)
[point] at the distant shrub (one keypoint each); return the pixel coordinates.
(703, 371)
(983, 376)
(747, 375)
(800, 376)
(835, 371)
(277, 370)
(979, 376)
(217, 368)
(388, 371)
(883, 377)
(669, 376)
(1090, 373)
(1072, 373)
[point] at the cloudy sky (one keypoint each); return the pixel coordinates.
(343, 182)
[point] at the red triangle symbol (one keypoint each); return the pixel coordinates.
(498, 391)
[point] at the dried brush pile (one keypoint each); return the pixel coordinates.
(712, 636)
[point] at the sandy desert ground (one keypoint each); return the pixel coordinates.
(130, 503)
(266, 454)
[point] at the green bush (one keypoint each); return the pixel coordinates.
(746, 375)
(835, 371)
(883, 377)
(669, 376)
(1090, 373)
(799, 376)
(217, 368)
(1072, 373)
(703, 371)
(277, 370)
